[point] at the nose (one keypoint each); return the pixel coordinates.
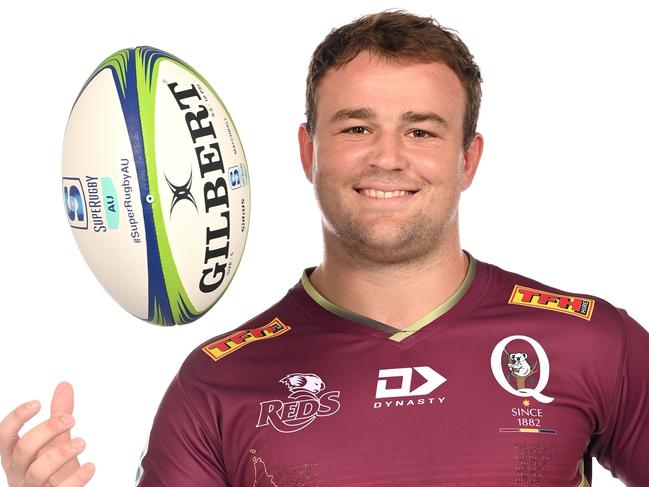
(387, 151)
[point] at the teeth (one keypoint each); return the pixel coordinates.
(377, 193)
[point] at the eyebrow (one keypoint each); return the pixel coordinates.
(359, 113)
(369, 114)
(414, 117)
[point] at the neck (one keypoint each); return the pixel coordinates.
(397, 294)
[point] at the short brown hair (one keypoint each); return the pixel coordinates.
(402, 37)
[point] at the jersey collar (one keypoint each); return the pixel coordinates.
(397, 335)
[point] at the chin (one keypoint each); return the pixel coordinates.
(390, 247)
(381, 256)
(384, 239)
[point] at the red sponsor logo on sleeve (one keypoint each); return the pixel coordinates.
(572, 305)
(228, 344)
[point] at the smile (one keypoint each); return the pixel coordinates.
(377, 193)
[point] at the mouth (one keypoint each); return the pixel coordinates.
(380, 194)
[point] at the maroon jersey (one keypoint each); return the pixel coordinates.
(508, 383)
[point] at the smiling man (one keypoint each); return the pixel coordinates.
(401, 360)
(388, 160)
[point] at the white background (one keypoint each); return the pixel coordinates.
(560, 196)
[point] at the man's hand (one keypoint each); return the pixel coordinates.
(46, 455)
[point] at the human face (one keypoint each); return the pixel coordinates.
(386, 158)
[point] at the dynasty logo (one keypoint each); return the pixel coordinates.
(572, 305)
(230, 343)
(306, 403)
(398, 383)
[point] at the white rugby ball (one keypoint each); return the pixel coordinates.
(155, 185)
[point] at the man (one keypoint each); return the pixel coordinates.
(402, 360)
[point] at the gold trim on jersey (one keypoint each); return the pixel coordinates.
(584, 480)
(397, 334)
(342, 312)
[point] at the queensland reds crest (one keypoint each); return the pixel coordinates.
(306, 403)
(522, 370)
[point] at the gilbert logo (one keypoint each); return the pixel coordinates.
(572, 305)
(182, 192)
(403, 387)
(306, 403)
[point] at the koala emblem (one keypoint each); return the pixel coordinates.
(519, 365)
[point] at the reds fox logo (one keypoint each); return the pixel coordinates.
(304, 407)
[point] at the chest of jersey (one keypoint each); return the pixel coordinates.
(465, 404)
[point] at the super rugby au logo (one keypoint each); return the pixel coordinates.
(306, 403)
(518, 371)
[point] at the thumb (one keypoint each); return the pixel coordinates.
(62, 403)
(63, 399)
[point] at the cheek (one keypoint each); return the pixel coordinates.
(337, 165)
(439, 169)
(326, 182)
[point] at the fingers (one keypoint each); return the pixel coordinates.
(50, 464)
(26, 448)
(62, 399)
(11, 425)
(45, 455)
(80, 477)
(65, 471)
(62, 404)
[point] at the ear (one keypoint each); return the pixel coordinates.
(511, 357)
(306, 151)
(524, 356)
(472, 156)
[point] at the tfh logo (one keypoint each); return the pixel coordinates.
(433, 381)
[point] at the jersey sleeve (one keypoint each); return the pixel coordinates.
(182, 450)
(623, 447)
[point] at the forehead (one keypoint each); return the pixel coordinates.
(391, 87)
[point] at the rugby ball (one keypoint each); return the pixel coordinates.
(155, 185)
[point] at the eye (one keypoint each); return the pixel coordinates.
(420, 134)
(356, 131)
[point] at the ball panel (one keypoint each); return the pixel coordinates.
(177, 307)
(195, 147)
(97, 160)
(238, 179)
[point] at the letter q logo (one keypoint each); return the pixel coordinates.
(543, 363)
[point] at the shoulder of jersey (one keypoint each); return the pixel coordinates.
(520, 291)
(267, 327)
